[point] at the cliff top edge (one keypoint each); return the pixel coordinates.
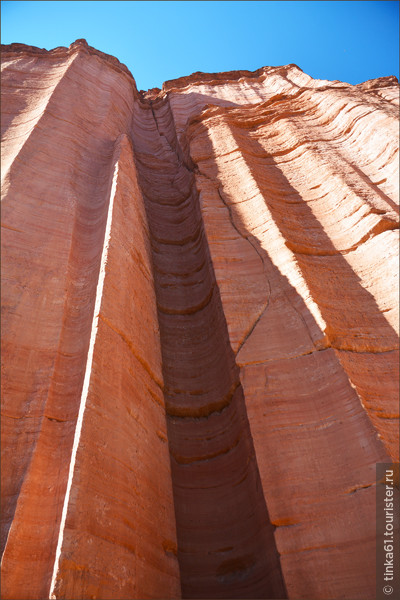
(195, 78)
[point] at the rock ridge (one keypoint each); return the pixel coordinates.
(197, 77)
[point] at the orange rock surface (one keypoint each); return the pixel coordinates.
(199, 330)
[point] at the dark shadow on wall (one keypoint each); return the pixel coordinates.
(373, 186)
(226, 545)
(354, 321)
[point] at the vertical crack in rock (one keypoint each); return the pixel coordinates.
(226, 545)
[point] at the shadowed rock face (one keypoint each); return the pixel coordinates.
(200, 335)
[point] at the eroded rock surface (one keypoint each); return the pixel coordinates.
(200, 330)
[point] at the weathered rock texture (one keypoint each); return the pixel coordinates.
(199, 330)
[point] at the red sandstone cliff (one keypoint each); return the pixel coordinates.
(199, 330)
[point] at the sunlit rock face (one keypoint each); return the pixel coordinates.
(199, 330)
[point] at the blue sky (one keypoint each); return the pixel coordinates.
(349, 41)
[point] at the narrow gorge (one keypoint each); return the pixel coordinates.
(200, 330)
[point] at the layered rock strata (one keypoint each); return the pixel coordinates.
(200, 332)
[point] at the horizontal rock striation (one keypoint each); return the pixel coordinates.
(200, 330)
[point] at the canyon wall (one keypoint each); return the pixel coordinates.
(199, 330)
